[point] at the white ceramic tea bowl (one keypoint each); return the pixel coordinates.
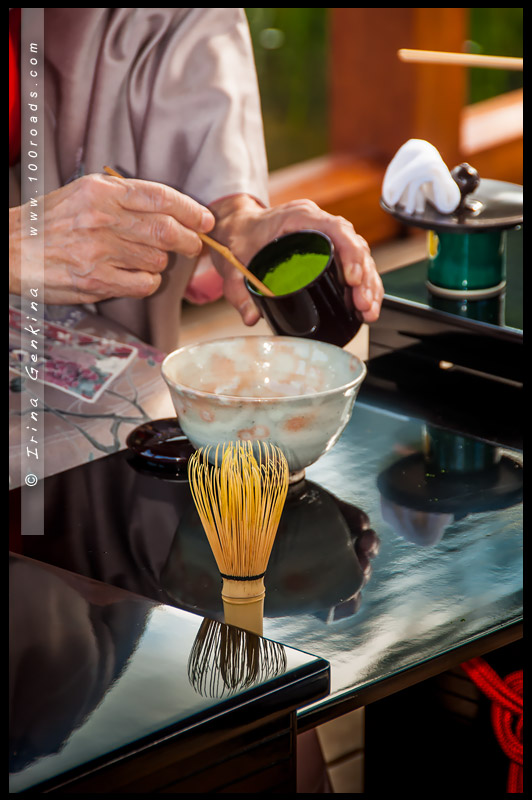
(295, 393)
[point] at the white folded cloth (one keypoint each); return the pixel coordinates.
(417, 173)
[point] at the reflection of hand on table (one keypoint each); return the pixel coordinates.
(365, 540)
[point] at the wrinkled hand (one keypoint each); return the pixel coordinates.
(106, 237)
(245, 226)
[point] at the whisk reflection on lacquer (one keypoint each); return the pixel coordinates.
(240, 498)
(225, 659)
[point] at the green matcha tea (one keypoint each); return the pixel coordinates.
(295, 272)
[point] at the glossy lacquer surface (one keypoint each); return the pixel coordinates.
(404, 543)
(95, 671)
(503, 311)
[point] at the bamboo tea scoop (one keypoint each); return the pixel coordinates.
(220, 248)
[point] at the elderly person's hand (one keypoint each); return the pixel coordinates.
(245, 226)
(106, 237)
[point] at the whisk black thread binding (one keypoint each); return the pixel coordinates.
(243, 577)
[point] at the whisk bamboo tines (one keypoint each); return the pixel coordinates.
(224, 660)
(240, 498)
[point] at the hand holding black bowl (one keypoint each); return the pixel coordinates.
(316, 304)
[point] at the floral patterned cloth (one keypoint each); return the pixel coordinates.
(75, 362)
(97, 383)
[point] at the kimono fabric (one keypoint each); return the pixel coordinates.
(162, 94)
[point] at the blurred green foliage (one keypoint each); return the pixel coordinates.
(291, 53)
(495, 32)
(290, 46)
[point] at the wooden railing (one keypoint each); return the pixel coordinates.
(378, 102)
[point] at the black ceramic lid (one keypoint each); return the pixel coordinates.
(485, 205)
(161, 443)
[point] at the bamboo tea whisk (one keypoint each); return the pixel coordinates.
(240, 498)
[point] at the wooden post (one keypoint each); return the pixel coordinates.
(378, 102)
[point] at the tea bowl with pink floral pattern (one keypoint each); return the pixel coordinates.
(295, 393)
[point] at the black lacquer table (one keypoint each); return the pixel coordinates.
(398, 557)
(112, 692)
(447, 578)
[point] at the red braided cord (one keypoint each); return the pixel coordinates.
(507, 702)
(515, 779)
